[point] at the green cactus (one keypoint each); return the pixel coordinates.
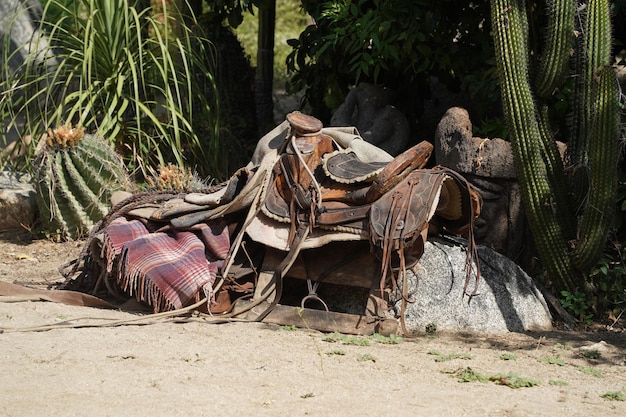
(74, 176)
(569, 237)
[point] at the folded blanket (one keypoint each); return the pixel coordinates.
(167, 270)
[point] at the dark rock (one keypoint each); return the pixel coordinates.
(488, 165)
(369, 108)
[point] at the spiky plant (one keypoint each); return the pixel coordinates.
(173, 178)
(110, 68)
(569, 237)
(74, 176)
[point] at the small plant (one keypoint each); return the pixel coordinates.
(614, 396)
(443, 358)
(514, 381)
(578, 304)
(346, 339)
(558, 383)
(591, 371)
(508, 357)
(336, 352)
(511, 380)
(469, 375)
(590, 354)
(289, 328)
(553, 360)
(365, 357)
(392, 339)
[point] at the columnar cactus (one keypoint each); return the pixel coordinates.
(74, 175)
(569, 238)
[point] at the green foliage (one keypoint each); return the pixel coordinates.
(508, 357)
(113, 71)
(290, 21)
(590, 354)
(513, 380)
(392, 339)
(469, 375)
(397, 44)
(336, 352)
(614, 396)
(578, 304)
(346, 339)
(365, 358)
(553, 360)
(558, 383)
(591, 371)
(609, 276)
(232, 11)
(440, 357)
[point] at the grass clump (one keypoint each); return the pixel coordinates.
(511, 380)
(558, 383)
(590, 354)
(440, 357)
(553, 360)
(591, 371)
(346, 339)
(614, 396)
(508, 357)
(469, 375)
(392, 339)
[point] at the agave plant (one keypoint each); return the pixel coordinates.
(149, 92)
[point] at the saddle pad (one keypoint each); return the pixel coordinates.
(346, 168)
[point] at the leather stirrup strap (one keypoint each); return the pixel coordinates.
(284, 266)
(67, 297)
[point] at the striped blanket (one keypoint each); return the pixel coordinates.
(165, 269)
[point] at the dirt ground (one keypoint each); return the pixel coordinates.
(191, 367)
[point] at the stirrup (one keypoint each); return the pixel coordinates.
(313, 295)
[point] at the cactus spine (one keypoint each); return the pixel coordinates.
(566, 249)
(74, 176)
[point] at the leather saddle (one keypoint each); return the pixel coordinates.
(318, 185)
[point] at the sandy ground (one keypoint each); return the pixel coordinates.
(191, 367)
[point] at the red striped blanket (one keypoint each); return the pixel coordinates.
(167, 270)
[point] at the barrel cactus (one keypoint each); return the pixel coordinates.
(74, 175)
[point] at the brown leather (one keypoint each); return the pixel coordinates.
(411, 159)
(402, 213)
(347, 168)
(58, 296)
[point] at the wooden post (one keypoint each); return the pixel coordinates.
(265, 67)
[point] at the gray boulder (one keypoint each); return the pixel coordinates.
(507, 300)
(17, 203)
